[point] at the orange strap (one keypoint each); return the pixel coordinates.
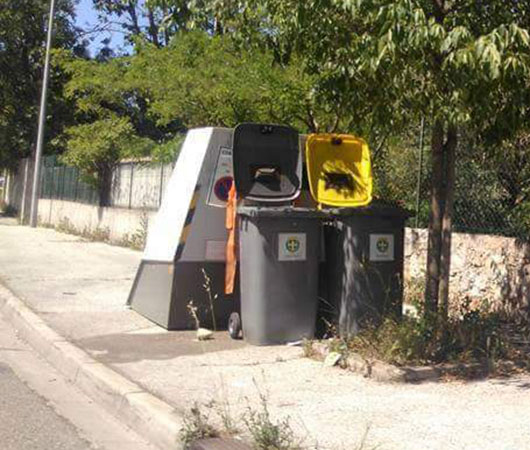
(231, 257)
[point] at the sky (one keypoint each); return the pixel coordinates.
(87, 18)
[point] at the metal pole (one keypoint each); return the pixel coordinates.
(420, 170)
(42, 120)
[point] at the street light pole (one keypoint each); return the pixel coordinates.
(42, 121)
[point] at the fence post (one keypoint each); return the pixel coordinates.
(25, 187)
(420, 171)
(42, 179)
(131, 185)
(161, 184)
(76, 172)
(63, 182)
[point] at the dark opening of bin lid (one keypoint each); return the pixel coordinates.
(267, 162)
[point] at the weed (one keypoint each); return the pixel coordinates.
(196, 426)
(470, 335)
(308, 349)
(223, 411)
(8, 210)
(136, 240)
(65, 226)
(413, 292)
(266, 434)
(192, 309)
(339, 345)
(207, 285)
(361, 445)
(97, 234)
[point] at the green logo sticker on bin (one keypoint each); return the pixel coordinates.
(292, 245)
(382, 247)
(382, 244)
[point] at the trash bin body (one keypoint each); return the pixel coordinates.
(279, 254)
(364, 266)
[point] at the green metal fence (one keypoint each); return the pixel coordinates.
(65, 183)
(492, 186)
(134, 184)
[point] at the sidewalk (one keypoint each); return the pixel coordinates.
(79, 289)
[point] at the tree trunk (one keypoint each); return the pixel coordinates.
(435, 219)
(153, 27)
(131, 9)
(105, 185)
(217, 26)
(166, 31)
(445, 266)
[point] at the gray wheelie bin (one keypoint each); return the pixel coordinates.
(363, 272)
(278, 244)
(279, 255)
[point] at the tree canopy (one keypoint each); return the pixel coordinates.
(22, 37)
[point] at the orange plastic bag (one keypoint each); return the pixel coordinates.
(231, 247)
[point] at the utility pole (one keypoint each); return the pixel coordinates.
(42, 121)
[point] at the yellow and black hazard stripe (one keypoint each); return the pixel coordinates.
(187, 223)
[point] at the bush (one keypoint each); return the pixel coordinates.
(8, 210)
(471, 334)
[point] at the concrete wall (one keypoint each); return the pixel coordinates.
(139, 186)
(117, 223)
(483, 268)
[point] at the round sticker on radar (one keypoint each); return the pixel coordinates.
(222, 188)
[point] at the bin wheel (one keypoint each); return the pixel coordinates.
(234, 326)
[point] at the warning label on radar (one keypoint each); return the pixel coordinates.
(222, 179)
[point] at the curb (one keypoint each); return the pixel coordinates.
(132, 405)
(219, 444)
(384, 372)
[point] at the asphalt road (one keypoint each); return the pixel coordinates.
(39, 409)
(28, 422)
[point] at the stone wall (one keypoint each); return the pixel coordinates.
(483, 268)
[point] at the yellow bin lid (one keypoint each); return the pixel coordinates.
(339, 169)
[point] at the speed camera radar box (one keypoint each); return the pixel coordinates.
(267, 163)
(184, 256)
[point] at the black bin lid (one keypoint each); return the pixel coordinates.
(267, 162)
